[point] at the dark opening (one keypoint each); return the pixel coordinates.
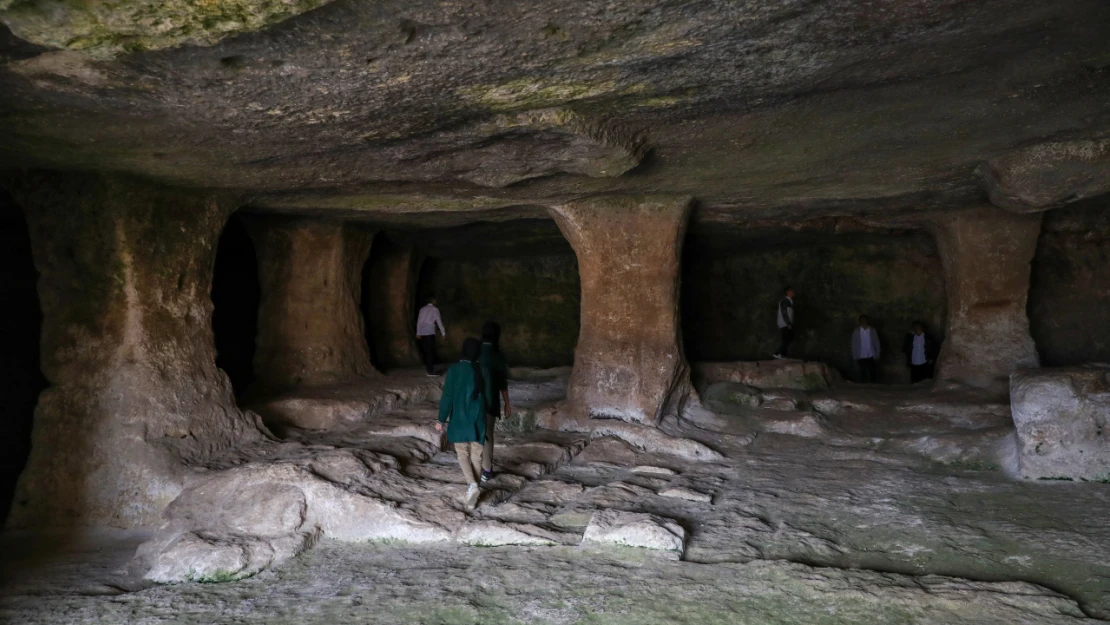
(21, 378)
(1069, 285)
(522, 274)
(732, 281)
(235, 298)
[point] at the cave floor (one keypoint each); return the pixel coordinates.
(877, 505)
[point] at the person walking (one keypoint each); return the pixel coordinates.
(921, 352)
(866, 350)
(785, 322)
(462, 407)
(426, 323)
(494, 360)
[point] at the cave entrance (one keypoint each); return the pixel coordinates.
(21, 378)
(733, 278)
(236, 295)
(521, 273)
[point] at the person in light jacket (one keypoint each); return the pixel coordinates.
(866, 350)
(426, 323)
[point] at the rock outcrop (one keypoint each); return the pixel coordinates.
(1062, 418)
(310, 326)
(768, 374)
(986, 254)
(629, 363)
(1048, 175)
(125, 274)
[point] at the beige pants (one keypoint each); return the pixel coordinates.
(487, 454)
(470, 460)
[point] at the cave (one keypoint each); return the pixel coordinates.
(733, 279)
(235, 300)
(522, 274)
(222, 220)
(21, 376)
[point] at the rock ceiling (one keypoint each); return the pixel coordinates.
(496, 108)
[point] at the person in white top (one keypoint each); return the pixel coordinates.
(921, 351)
(785, 320)
(426, 323)
(866, 350)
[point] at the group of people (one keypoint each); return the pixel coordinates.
(919, 347)
(473, 391)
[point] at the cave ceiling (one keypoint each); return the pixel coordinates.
(453, 111)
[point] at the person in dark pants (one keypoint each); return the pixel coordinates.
(921, 353)
(426, 323)
(786, 321)
(494, 359)
(463, 408)
(866, 350)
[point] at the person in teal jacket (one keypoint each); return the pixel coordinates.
(494, 360)
(463, 407)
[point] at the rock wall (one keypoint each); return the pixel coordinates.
(536, 299)
(729, 295)
(1069, 291)
(389, 303)
(125, 274)
(310, 324)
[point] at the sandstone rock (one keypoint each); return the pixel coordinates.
(687, 494)
(310, 326)
(733, 393)
(391, 311)
(1062, 418)
(125, 276)
(628, 363)
(767, 374)
(645, 531)
(653, 441)
(1048, 175)
(988, 332)
(807, 424)
(236, 522)
(494, 534)
(651, 470)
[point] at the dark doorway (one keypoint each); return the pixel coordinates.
(21, 378)
(235, 298)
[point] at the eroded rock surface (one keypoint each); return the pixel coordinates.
(769, 374)
(1062, 418)
(986, 254)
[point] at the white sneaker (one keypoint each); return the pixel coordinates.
(777, 356)
(472, 496)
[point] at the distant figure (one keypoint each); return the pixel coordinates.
(426, 323)
(786, 321)
(866, 350)
(921, 353)
(463, 406)
(494, 360)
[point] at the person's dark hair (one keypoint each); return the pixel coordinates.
(918, 324)
(430, 298)
(491, 333)
(786, 289)
(472, 349)
(863, 318)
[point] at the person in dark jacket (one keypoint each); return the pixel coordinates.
(494, 359)
(921, 351)
(785, 320)
(463, 407)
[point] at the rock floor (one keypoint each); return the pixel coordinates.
(885, 506)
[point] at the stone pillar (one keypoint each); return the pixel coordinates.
(629, 363)
(125, 274)
(392, 306)
(986, 254)
(310, 326)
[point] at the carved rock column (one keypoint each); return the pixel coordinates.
(629, 363)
